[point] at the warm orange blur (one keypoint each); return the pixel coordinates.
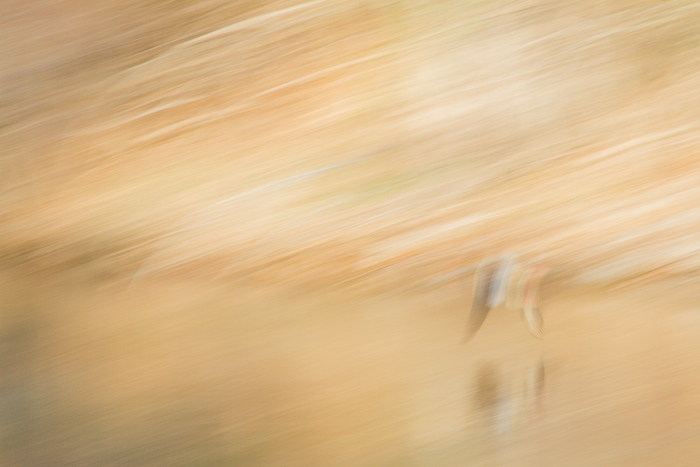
(246, 233)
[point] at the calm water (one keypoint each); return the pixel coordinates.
(187, 373)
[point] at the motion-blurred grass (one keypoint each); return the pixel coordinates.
(222, 136)
(387, 143)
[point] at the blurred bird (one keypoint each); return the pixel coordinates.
(499, 282)
(480, 301)
(504, 280)
(530, 309)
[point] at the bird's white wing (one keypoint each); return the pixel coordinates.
(499, 283)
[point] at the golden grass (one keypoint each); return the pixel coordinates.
(332, 140)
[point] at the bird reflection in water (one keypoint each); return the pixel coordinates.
(511, 402)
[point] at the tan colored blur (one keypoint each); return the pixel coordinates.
(244, 232)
